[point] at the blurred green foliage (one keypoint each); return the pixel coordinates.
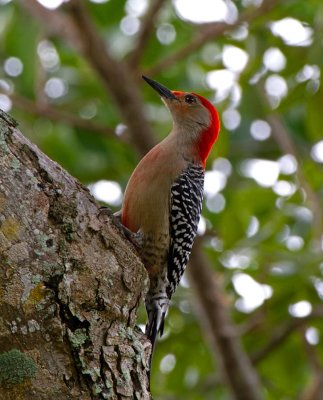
(269, 232)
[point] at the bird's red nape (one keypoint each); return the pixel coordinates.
(210, 134)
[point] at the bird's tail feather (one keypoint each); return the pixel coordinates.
(156, 310)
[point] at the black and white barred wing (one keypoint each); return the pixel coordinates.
(185, 211)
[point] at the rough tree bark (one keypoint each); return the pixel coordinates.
(69, 286)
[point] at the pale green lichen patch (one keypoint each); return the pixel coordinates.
(15, 367)
(32, 179)
(78, 337)
(45, 241)
(3, 143)
(15, 164)
(97, 389)
(33, 326)
(122, 332)
(52, 269)
(94, 373)
(36, 279)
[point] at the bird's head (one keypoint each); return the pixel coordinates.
(193, 115)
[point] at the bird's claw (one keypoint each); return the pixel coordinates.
(134, 238)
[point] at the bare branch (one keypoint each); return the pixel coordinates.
(314, 360)
(147, 26)
(314, 389)
(55, 114)
(284, 140)
(209, 32)
(220, 331)
(281, 334)
(115, 76)
(56, 23)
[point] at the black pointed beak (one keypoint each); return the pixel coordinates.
(162, 90)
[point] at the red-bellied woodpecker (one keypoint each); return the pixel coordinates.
(163, 198)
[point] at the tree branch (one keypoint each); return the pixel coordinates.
(281, 334)
(55, 114)
(209, 32)
(220, 331)
(283, 138)
(80, 33)
(147, 26)
(314, 388)
(70, 286)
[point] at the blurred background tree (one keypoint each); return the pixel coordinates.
(70, 74)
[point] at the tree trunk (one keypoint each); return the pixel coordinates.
(69, 286)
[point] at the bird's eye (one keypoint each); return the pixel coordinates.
(190, 99)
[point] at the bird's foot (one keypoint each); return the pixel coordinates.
(134, 238)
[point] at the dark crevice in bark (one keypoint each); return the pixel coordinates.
(119, 365)
(114, 381)
(106, 334)
(105, 390)
(72, 323)
(135, 380)
(102, 363)
(99, 301)
(69, 382)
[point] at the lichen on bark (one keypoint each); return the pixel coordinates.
(66, 300)
(15, 367)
